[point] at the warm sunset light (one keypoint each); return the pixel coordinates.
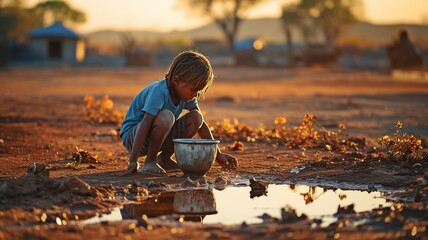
(167, 15)
(213, 119)
(258, 44)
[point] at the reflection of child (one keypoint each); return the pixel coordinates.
(151, 122)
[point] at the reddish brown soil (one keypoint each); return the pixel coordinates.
(42, 119)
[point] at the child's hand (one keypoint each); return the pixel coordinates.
(227, 161)
(132, 168)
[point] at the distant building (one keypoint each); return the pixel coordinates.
(56, 44)
(216, 50)
(247, 51)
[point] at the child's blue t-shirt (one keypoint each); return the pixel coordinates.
(152, 99)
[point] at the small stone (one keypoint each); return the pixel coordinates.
(257, 184)
(220, 183)
(267, 218)
(417, 165)
(296, 169)
(157, 186)
(244, 225)
(258, 188)
(345, 210)
(37, 168)
(371, 188)
(202, 181)
(189, 183)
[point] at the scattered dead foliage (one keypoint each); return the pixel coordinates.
(237, 146)
(309, 134)
(402, 147)
(102, 110)
(81, 156)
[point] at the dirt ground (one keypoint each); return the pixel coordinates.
(43, 119)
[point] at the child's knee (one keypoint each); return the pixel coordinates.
(195, 117)
(165, 118)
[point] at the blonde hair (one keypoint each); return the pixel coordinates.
(191, 67)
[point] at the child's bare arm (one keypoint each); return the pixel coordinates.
(227, 161)
(142, 133)
(205, 131)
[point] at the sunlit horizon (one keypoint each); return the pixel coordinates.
(168, 15)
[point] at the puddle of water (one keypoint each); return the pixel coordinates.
(234, 205)
(115, 215)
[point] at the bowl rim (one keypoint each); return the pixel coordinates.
(195, 141)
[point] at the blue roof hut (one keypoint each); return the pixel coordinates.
(57, 44)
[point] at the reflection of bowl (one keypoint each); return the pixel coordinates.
(195, 202)
(195, 156)
(155, 206)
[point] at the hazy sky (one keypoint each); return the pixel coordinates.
(166, 15)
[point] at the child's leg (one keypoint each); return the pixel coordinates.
(162, 125)
(185, 127)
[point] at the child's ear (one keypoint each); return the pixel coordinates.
(176, 80)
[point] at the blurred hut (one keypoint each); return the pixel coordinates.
(57, 44)
(320, 54)
(403, 54)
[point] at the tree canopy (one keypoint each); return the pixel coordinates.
(331, 16)
(58, 11)
(17, 20)
(227, 14)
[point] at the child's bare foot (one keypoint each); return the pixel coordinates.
(152, 168)
(167, 163)
(132, 168)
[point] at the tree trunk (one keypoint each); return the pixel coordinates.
(229, 33)
(290, 53)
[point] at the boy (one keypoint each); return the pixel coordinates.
(151, 122)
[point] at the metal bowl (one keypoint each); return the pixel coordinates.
(195, 156)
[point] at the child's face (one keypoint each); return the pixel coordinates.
(186, 92)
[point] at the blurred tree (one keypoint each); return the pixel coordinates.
(59, 11)
(227, 14)
(330, 16)
(129, 44)
(15, 22)
(289, 17)
(11, 3)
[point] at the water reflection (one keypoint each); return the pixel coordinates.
(233, 205)
(160, 204)
(193, 205)
(313, 192)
